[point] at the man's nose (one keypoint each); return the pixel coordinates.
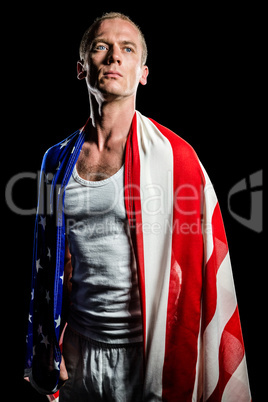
(114, 55)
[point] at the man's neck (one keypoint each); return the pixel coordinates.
(111, 120)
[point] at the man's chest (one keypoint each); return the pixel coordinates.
(93, 165)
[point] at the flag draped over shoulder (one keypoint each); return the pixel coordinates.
(193, 343)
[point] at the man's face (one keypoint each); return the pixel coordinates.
(112, 64)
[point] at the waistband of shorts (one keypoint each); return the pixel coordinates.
(105, 345)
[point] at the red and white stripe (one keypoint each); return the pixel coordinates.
(54, 397)
(193, 341)
(224, 367)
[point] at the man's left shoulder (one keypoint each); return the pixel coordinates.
(180, 147)
(187, 167)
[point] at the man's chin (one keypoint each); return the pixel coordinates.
(111, 86)
(111, 94)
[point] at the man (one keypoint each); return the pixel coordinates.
(127, 211)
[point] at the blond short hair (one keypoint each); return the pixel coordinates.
(90, 32)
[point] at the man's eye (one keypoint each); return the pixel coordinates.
(101, 47)
(128, 49)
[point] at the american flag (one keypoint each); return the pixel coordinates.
(193, 344)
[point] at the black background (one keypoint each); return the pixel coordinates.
(205, 83)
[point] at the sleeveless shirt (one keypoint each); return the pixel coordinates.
(105, 299)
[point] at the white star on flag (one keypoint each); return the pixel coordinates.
(47, 296)
(49, 253)
(45, 340)
(37, 265)
(40, 329)
(64, 143)
(58, 322)
(56, 365)
(42, 222)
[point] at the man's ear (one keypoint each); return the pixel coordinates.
(81, 72)
(145, 72)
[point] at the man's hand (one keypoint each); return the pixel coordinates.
(63, 371)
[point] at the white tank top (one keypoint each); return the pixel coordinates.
(105, 300)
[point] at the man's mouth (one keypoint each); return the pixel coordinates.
(112, 74)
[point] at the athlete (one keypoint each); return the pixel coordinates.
(130, 238)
